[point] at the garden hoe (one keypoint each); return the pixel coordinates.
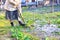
(20, 15)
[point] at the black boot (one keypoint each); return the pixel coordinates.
(20, 23)
(12, 24)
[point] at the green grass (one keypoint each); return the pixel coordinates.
(29, 18)
(51, 38)
(16, 33)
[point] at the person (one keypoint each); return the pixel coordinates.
(12, 7)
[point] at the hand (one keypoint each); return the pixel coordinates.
(15, 6)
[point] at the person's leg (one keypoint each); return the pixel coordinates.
(18, 18)
(9, 16)
(11, 22)
(21, 22)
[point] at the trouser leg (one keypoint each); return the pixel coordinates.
(11, 22)
(21, 22)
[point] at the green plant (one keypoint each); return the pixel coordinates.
(16, 33)
(58, 26)
(58, 21)
(51, 38)
(57, 33)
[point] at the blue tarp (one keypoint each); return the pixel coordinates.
(22, 0)
(29, 3)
